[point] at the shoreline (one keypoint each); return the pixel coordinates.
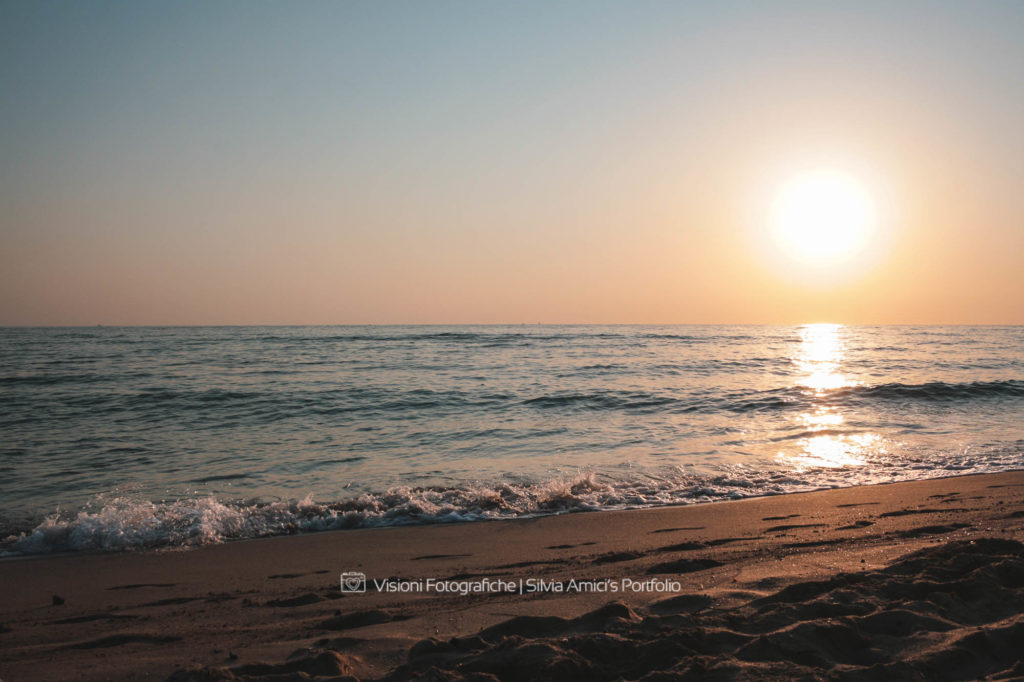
(150, 613)
(426, 522)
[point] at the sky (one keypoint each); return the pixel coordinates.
(487, 162)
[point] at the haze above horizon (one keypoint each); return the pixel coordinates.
(450, 162)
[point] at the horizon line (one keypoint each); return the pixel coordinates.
(515, 324)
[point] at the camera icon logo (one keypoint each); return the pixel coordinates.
(353, 582)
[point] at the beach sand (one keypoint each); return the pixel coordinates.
(916, 580)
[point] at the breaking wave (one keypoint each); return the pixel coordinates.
(129, 524)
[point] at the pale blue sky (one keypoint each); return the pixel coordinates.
(321, 162)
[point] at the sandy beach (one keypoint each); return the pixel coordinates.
(511, 342)
(916, 580)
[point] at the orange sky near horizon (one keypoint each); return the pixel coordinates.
(594, 165)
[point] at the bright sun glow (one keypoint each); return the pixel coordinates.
(822, 217)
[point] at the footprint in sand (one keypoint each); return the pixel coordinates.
(301, 600)
(909, 512)
(684, 566)
(932, 530)
(171, 601)
(616, 557)
(779, 529)
(857, 524)
(94, 617)
(673, 530)
(582, 544)
(120, 640)
(360, 619)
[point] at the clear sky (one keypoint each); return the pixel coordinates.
(455, 162)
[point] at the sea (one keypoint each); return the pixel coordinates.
(162, 438)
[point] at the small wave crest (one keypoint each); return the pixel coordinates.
(602, 401)
(786, 398)
(127, 524)
(939, 390)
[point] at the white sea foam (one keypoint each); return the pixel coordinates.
(128, 524)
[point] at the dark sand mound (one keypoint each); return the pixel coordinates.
(950, 612)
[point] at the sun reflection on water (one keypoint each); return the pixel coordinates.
(820, 354)
(819, 360)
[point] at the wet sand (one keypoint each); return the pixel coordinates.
(918, 580)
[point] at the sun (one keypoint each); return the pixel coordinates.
(822, 217)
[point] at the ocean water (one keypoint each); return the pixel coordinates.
(120, 438)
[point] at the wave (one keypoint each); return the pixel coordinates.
(129, 524)
(51, 379)
(936, 390)
(213, 406)
(602, 401)
(528, 335)
(787, 398)
(487, 338)
(701, 338)
(378, 400)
